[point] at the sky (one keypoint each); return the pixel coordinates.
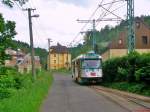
(58, 19)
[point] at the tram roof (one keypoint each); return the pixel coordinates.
(88, 56)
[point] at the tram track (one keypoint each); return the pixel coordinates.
(130, 102)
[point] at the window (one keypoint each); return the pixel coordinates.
(89, 64)
(138, 25)
(54, 55)
(145, 40)
(55, 61)
(120, 42)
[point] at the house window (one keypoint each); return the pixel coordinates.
(55, 61)
(145, 40)
(120, 42)
(138, 24)
(54, 55)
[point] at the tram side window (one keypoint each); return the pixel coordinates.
(73, 66)
(78, 64)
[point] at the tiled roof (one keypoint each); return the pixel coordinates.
(59, 49)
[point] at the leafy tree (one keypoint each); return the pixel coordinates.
(42, 53)
(10, 3)
(7, 32)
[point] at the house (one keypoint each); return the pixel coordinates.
(59, 57)
(16, 56)
(26, 65)
(118, 47)
(21, 61)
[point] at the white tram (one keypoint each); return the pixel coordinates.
(87, 68)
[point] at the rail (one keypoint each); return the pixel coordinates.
(136, 100)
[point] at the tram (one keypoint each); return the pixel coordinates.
(87, 68)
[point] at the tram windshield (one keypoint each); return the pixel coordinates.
(87, 64)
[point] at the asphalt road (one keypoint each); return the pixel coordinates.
(67, 96)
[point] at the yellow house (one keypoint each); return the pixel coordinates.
(59, 57)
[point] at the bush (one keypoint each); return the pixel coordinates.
(138, 88)
(143, 74)
(121, 74)
(110, 70)
(131, 68)
(4, 93)
(9, 79)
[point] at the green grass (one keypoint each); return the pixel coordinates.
(137, 88)
(30, 97)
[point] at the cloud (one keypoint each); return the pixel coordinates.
(58, 19)
(76, 2)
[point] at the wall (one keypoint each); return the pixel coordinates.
(112, 53)
(58, 61)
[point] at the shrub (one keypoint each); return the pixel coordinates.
(143, 74)
(6, 82)
(110, 70)
(133, 67)
(9, 79)
(121, 74)
(136, 88)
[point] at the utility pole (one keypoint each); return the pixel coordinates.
(93, 30)
(131, 26)
(94, 27)
(49, 58)
(31, 40)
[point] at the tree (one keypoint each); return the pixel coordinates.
(7, 32)
(10, 3)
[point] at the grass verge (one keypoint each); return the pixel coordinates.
(30, 96)
(136, 88)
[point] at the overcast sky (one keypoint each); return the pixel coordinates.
(58, 18)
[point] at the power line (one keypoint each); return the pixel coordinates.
(113, 2)
(112, 11)
(105, 13)
(86, 23)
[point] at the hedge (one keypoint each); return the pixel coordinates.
(131, 68)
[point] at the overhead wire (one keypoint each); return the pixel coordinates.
(103, 13)
(112, 2)
(106, 14)
(89, 36)
(86, 23)
(112, 13)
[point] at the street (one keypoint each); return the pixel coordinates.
(67, 96)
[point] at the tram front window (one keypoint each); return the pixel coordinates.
(87, 64)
